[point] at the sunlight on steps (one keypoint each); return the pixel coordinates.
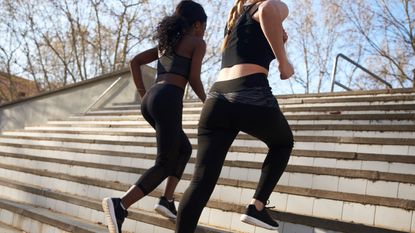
(352, 169)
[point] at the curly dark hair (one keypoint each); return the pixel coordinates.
(171, 29)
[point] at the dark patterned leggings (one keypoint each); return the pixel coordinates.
(220, 122)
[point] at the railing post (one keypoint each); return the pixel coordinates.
(333, 73)
(413, 80)
(333, 77)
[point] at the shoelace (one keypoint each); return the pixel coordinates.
(268, 207)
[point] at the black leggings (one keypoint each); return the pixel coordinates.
(162, 107)
(220, 122)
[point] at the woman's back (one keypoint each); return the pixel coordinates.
(265, 15)
(179, 61)
(247, 43)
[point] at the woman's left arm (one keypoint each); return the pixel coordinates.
(270, 20)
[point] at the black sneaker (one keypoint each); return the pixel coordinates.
(166, 208)
(114, 213)
(259, 218)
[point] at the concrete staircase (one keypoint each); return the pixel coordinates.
(352, 169)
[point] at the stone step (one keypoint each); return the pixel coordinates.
(332, 110)
(336, 107)
(313, 125)
(294, 126)
(352, 94)
(292, 202)
(244, 143)
(368, 159)
(187, 120)
(370, 182)
(4, 228)
(89, 208)
(371, 94)
(192, 129)
(379, 131)
(304, 130)
(393, 163)
(306, 155)
(336, 97)
(35, 219)
(298, 102)
(306, 116)
(298, 131)
(85, 207)
(241, 140)
(194, 119)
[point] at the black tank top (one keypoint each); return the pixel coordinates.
(174, 64)
(247, 43)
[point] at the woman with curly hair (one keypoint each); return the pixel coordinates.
(241, 100)
(180, 52)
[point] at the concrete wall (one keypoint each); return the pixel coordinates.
(71, 100)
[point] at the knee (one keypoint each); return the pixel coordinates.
(288, 141)
(282, 147)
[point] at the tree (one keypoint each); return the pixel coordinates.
(317, 32)
(7, 62)
(388, 29)
(68, 41)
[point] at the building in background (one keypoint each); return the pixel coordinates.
(21, 88)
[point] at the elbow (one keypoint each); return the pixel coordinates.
(136, 61)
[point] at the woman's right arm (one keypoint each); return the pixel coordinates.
(270, 20)
(135, 67)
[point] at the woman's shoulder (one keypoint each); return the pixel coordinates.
(273, 8)
(194, 41)
(269, 5)
(189, 44)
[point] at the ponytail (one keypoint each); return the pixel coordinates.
(172, 28)
(169, 32)
(234, 15)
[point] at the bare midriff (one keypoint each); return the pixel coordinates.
(240, 70)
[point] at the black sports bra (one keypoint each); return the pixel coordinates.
(247, 43)
(174, 64)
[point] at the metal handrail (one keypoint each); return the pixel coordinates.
(333, 75)
(103, 94)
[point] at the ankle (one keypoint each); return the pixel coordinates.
(123, 205)
(258, 204)
(169, 198)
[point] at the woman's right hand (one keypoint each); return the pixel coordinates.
(286, 70)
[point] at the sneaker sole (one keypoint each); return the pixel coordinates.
(110, 215)
(253, 221)
(164, 211)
